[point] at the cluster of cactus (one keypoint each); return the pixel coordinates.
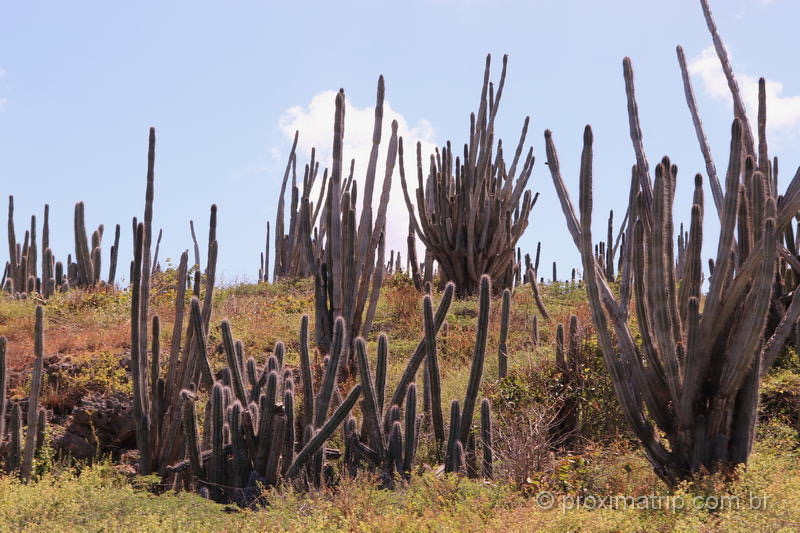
(787, 281)
(781, 314)
(782, 318)
(20, 452)
(296, 252)
(251, 434)
(351, 256)
(254, 436)
(471, 212)
(694, 377)
(415, 268)
(568, 367)
(21, 276)
(157, 399)
(605, 251)
(384, 444)
(460, 453)
(250, 438)
(395, 263)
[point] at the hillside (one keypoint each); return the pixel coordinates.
(87, 345)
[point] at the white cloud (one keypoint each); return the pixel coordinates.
(783, 112)
(315, 123)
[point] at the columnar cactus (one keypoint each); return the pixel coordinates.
(83, 254)
(486, 439)
(502, 345)
(478, 357)
(15, 441)
(468, 212)
(33, 396)
(537, 295)
(349, 273)
(158, 401)
(112, 267)
(295, 251)
(433, 373)
(3, 387)
(413, 263)
(21, 275)
(454, 459)
(566, 420)
(694, 376)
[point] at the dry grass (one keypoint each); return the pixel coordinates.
(92, 329)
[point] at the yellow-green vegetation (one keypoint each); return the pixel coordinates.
(604, 483)
(765, 497)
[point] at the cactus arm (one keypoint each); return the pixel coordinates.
(419, 355)
(370, 403)
(705, 149)
(476, 370)
(433, 367)
(319, 438)
(305, 369)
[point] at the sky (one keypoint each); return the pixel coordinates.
(227, 84)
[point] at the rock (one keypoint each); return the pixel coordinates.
(98, 425)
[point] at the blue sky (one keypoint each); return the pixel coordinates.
(225, 85)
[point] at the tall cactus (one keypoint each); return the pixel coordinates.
(502, 346)
(295, 251)
(454, 459)
(157, 399)
(537, 297)
(33, 396)
(433, 372)
(566, 420)
(476, 370)
(350, 274)
(15, 440)
(83, 254)
(486, 439)
(3, 386)
(468, 212)
(695, 374)
(112, 267)
(138, 361)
